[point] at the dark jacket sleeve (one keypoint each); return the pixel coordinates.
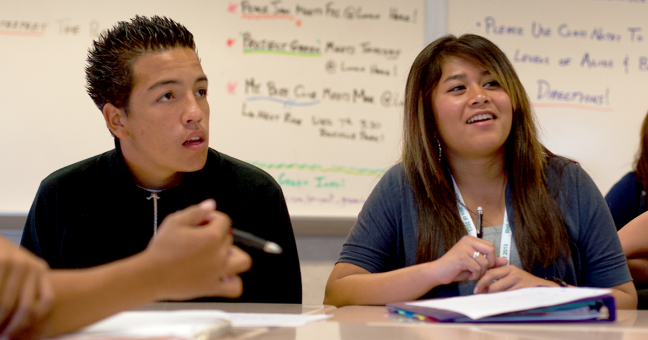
(255, 203)
(289, 268)
(40, 233)
(274, 278)
(623, 200)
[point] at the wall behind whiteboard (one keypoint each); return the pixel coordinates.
(310, 91)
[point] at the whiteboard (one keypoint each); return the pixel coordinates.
(310, 91)
(584, 65)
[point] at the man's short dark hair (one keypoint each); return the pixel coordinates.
(109, 72)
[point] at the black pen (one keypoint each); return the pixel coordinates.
(247, 239)
(480, 222)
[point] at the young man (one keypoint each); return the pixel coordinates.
(145, 77)
(192, 256)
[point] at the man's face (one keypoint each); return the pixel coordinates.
(167, 127)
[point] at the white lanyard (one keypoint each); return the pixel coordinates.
(505, 243)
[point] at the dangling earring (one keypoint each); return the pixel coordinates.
(440, 151)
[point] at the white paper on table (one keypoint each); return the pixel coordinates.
(482, 305)
(186, 324)
(274, 319)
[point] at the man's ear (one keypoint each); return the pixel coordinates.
(115, 119)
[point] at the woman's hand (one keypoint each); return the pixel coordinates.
(469, 259)
(509, 278)
(350, 284)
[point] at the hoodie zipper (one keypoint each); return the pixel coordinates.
(155, 198)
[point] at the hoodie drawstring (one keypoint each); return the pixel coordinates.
(155, 197)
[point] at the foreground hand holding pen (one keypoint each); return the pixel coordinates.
(192, 256)
(202, 238)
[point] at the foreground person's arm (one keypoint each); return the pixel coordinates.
(191, 256)
(25, 291)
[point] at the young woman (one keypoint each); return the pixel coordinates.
(627, 198)
(470, 141)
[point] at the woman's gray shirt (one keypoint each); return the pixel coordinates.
(384, 237)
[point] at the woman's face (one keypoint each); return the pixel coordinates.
(472, 110)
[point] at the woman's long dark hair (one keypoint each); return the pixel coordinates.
(540, 232)
(641, 164)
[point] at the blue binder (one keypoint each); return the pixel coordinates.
(594, 309)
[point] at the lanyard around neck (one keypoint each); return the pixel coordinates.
(505, 243)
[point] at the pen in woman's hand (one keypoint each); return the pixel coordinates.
(480, 222)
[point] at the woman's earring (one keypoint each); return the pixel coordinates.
(439, 143)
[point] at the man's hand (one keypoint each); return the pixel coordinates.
(25, 291)
(194, 254)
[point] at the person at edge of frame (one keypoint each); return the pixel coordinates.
(627, 197)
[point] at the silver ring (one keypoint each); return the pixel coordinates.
(476, 255)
